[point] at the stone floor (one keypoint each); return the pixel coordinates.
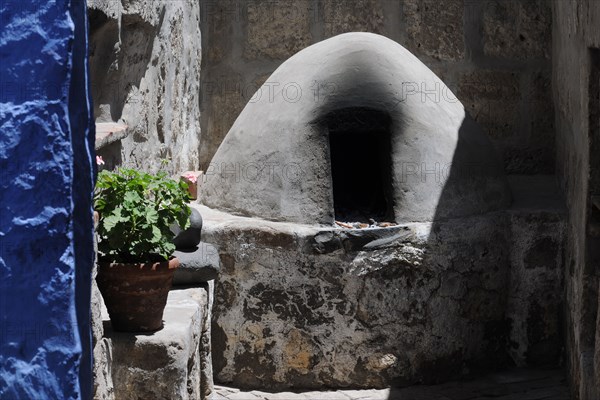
(511, 385)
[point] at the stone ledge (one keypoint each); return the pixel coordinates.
(109, 132)
(197, 265)
(169, 363)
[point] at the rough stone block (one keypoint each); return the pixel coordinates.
(197, 266)
(165, 364)
(499, 119)
(217, 19)
(535, 300)
(415, 302)
(277, 30)
(435, 28)
(374, 301)
(541, 108)
(535, 153)
(493, 99)
(225, 104)
(342, 16)
(103, 385)
(522, 158)
(517, 29)
(489, 84)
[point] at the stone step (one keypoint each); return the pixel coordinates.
(515, 384)
(173, 363)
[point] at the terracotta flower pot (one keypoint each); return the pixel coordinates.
(136, 294)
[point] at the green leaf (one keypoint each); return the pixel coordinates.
(110, 222)
(136, 212)
(156, 235)
(152, 216)
(132, 197)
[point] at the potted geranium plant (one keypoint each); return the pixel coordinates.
(135, 266)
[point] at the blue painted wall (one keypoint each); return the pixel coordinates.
(46, 180)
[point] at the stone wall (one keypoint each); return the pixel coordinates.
(46, 178)
(145, 73)
(576, 79)
(494, 55)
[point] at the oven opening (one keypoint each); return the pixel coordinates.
(360, 153)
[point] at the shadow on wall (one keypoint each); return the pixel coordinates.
(446, 312)
(467, 316)
(118, 63)
(465, 271)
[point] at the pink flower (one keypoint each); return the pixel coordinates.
(99, 160)
(191, 177)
